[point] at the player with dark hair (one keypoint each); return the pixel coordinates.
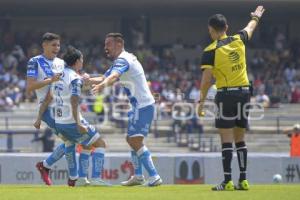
(41, 73)
(72, 126)
(129, 71)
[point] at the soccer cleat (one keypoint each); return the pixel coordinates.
(134, 180)
(82, 182)
(242, 185)
(153, 181)
(44, 173)
(71, 182)
(98, 182)
(224, 186)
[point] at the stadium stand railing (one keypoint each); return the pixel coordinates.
(16, 130)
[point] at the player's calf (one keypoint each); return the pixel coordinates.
(98, 163)
(83, 167)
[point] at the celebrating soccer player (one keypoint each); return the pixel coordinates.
(40, 75)
(129, 71)
(72, 126)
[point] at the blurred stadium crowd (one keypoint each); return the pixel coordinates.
(275, 72)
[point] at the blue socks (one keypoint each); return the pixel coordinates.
(71, 160)
(84, 163)
(145, 158)
(69, 151)
(98, 162)
(137, 164)
(57, 154)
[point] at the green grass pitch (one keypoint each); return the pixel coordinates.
(165, 192)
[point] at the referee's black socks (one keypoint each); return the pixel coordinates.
(241, 151)
(227, 150)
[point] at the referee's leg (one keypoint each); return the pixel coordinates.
(227, 149)
(241, 150)
(239, 139)
(225, 122)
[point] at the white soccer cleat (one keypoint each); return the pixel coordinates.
(82, 182)
(134, 180)
(98, 182)
(153, 181)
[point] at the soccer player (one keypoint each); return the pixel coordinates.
(128, 69)
(69, 122)
(40, 76)
(225, 60)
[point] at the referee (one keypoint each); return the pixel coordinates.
(225, 60)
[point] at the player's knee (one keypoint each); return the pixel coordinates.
(86, 147)
(100, 143)
(135, 142)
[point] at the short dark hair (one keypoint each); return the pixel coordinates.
(218, 22)
(50, 36)
(117, 36)
(72, 55)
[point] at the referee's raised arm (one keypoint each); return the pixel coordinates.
(224, 60)
(255, 17)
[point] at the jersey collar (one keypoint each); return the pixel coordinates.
(223, 37)
(47, 58)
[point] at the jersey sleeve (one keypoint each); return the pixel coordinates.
(76, 86)
(32, 68)
(107, 73)
(208, 59)
(244, 36)
(120, 66)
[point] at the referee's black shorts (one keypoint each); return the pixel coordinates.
(233, 109)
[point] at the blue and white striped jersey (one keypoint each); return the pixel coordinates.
(40, 68)
(132, 79)
(70, 84)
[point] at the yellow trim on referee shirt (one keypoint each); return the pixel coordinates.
(206, 66)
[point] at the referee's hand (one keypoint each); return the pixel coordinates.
(258, 12)
(201, 113)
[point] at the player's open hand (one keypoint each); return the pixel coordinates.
(82, 129)
(258, 12)
(85, 76)
(93, 81)
(96, 88)
(37, 124)
(87, 81)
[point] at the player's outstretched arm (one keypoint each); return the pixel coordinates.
(88, 80)
(33, 84)
(255, 17)
(43, 108)
(108, 81)
(95, 80)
